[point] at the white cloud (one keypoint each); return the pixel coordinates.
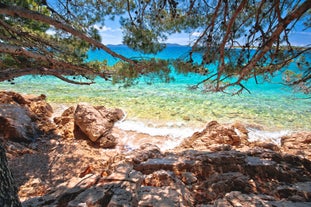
(103, 28)
(50, 31)
(111, 38)
(196, 34)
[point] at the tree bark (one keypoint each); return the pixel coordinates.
(8, 190)
(29, 14)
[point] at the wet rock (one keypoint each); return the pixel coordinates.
(215, 135)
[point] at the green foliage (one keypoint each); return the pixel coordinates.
(188, 67)
(149, 70)
(243, 39)
(142, 40)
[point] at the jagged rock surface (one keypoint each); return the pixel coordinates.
(215, 167)
(149, 177)
(24, 118)
(92, 122)
(298, 143)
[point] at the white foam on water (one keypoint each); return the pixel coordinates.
(266, 136)
(173, 130)
(173, 133)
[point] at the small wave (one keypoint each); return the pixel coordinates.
(266, 136)
(176, 130)
(172, 133)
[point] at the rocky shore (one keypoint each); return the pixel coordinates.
(76, 160)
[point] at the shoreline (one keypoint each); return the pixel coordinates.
(168, 134)
(161, 103)
(220, 156)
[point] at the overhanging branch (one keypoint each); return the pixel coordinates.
(29, 14)
(53, 63)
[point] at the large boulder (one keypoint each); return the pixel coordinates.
(16, 123)
(24, 117)
(217, 137)
(97, 123)
(89, 122)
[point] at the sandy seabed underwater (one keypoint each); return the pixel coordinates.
(270, 111)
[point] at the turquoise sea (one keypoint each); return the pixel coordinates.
(270, 110)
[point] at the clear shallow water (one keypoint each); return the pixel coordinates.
(271, 107)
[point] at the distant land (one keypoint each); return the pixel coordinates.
(167, 44)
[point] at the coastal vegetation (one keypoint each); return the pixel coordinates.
(52, 37)
(244, 39)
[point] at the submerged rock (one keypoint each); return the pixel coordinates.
(214, 167)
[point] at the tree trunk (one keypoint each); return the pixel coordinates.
(8, 190)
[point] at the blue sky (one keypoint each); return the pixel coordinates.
(112, 34)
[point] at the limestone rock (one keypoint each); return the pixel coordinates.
(112, 115)
(91, 122)
(215, 135)
(260, 177)
(161, 196)
(217, 186)
(145, 152)
(94, 196)
(26, 115)
(188, 178)
(297, 143)
(10, 97)
(65, 192)
(107, 141)
(238, 199)
(161, 178)
(65, 123)
(16, 123)
(39, 106)
(97, 122)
